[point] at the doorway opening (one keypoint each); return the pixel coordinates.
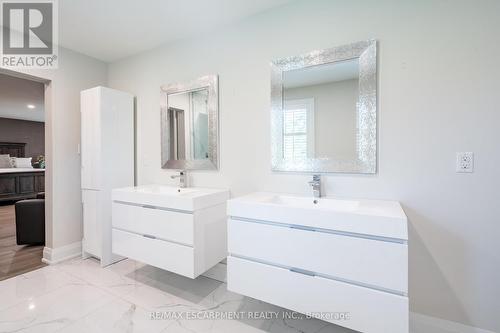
(22, 174)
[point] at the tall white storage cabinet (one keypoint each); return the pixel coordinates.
(107, 155)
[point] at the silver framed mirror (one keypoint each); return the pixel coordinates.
(190, 124)
(324, 110)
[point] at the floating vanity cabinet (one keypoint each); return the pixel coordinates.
(182, 230)
(107, 162)
(343, 261)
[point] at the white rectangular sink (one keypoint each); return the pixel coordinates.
(184, 199)
(312, 203)
(366, 217)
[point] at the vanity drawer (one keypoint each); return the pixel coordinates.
(369, 310)
(162, 254)
(375, 263)
(145, 220)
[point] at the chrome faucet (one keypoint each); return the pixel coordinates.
(182, 178)
(315, 183)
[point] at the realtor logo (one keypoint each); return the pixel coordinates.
(29, 32)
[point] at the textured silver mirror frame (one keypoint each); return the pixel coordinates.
(366, 146)
(211, 82)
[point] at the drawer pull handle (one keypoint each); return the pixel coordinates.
(149, 236)
(148, 206)
(301, 227)
(302, 271)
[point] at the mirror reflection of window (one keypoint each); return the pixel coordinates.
(298, 129)
(320, 111)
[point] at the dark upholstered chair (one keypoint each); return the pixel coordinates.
(30, 221)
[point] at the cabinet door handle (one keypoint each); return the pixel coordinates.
(302, 227)
(302, 271)
(149, 236)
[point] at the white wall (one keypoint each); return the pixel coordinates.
(438, 90)
(76, 72)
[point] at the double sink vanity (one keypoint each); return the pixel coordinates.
(342, 261)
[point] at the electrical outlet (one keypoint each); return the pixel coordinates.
(465, 162)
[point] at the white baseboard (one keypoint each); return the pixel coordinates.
(53, 256)
(420, 323)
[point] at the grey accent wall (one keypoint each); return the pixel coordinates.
(30, 132)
